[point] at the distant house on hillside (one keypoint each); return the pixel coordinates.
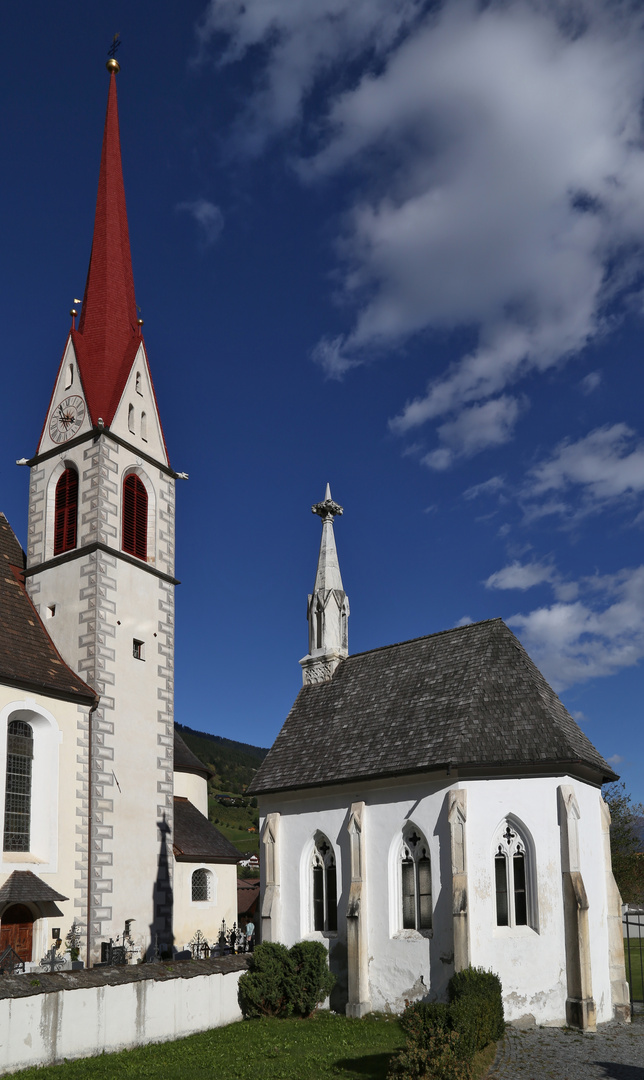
(431, 805)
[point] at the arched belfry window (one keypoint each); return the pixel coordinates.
(66, 511)
(514, 876)
(415, 881)
(135, 517)
(17, 806)
(324, 889)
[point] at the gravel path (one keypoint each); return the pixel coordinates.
(614, 1052)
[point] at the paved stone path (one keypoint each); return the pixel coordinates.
(614, 1052)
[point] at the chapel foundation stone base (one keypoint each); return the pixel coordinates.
(580, 1013)
(358, 1009)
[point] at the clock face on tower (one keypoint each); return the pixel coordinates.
(66, 418)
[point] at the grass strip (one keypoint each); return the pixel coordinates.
(325, 1046)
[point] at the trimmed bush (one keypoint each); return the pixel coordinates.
(267, 988)
(441, 1059)
(476, 1008)
(313, 980)
(443, 1039)
(285, 982)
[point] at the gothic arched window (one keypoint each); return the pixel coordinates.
(324, 889)
(415, 881)
(135, 517)
(17, 806)
(513, 877)
(66, 511)
(201, 885)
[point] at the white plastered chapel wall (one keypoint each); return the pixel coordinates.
(189, 915)
(194, 788)
(411, 965)
(141, 400)
(54, 803)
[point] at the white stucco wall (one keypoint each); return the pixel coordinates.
(47, 1028)
(55, 726)
(194, 788)
(405, 965)
(190, 916)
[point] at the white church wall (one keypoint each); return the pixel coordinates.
(409, 964)
(194, 788)
(57, 735)
(205, 915)
(46, 1028)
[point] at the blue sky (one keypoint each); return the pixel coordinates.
(392, 245)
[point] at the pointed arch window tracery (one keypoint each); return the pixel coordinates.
(415, 880)
(66, 511)
(135, 517)
(514, 877)
(324, 889)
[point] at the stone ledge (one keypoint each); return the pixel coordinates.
(17, 986)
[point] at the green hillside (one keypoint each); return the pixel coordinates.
(233, 766)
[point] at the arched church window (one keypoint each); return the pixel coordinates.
(324, 888)
(135, 517)
(415, 881)
(130, 418)
(201, 886)
(17, 807)
(144, 427)
(137, 383)
(66, 511)
(319, 624)
(513, 877)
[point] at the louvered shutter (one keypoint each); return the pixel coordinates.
(135, 517)
(66, 512)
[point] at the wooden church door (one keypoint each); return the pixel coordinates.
(17, 931)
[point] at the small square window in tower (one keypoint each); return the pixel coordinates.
(138, 649)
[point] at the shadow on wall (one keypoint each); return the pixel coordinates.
(161, 936)
(441, 955)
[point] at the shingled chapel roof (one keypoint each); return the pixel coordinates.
(28, 656)
(468, 699)
(185, 760)
(196, 840)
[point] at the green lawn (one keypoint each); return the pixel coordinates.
(324, 1047)
(636, 966)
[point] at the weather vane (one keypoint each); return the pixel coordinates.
(116, 44)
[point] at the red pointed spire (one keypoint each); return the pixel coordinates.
(108, 335)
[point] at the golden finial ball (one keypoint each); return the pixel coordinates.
(113, 65)
(73, 312)
(140, 322)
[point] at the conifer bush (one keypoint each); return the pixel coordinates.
(442, 1039)
(285, 982)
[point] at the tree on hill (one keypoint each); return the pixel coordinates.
(625, 842)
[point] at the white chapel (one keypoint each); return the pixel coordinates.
(104, 808)
(430, 805)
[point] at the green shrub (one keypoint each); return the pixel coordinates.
(423, 1020)
(285, 982)
(476, 1008)
(441, 1059)
(267, 988)
(313, 980)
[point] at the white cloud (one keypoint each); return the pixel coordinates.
(488, 424)
(497, 165)
(590, 382)
(520, 576)
(465, 620)
(208, 217)
(582, 477)
(488, 487)
(573, 642)
(615, 759)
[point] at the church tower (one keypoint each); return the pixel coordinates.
(100, 571)
(328, 605)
